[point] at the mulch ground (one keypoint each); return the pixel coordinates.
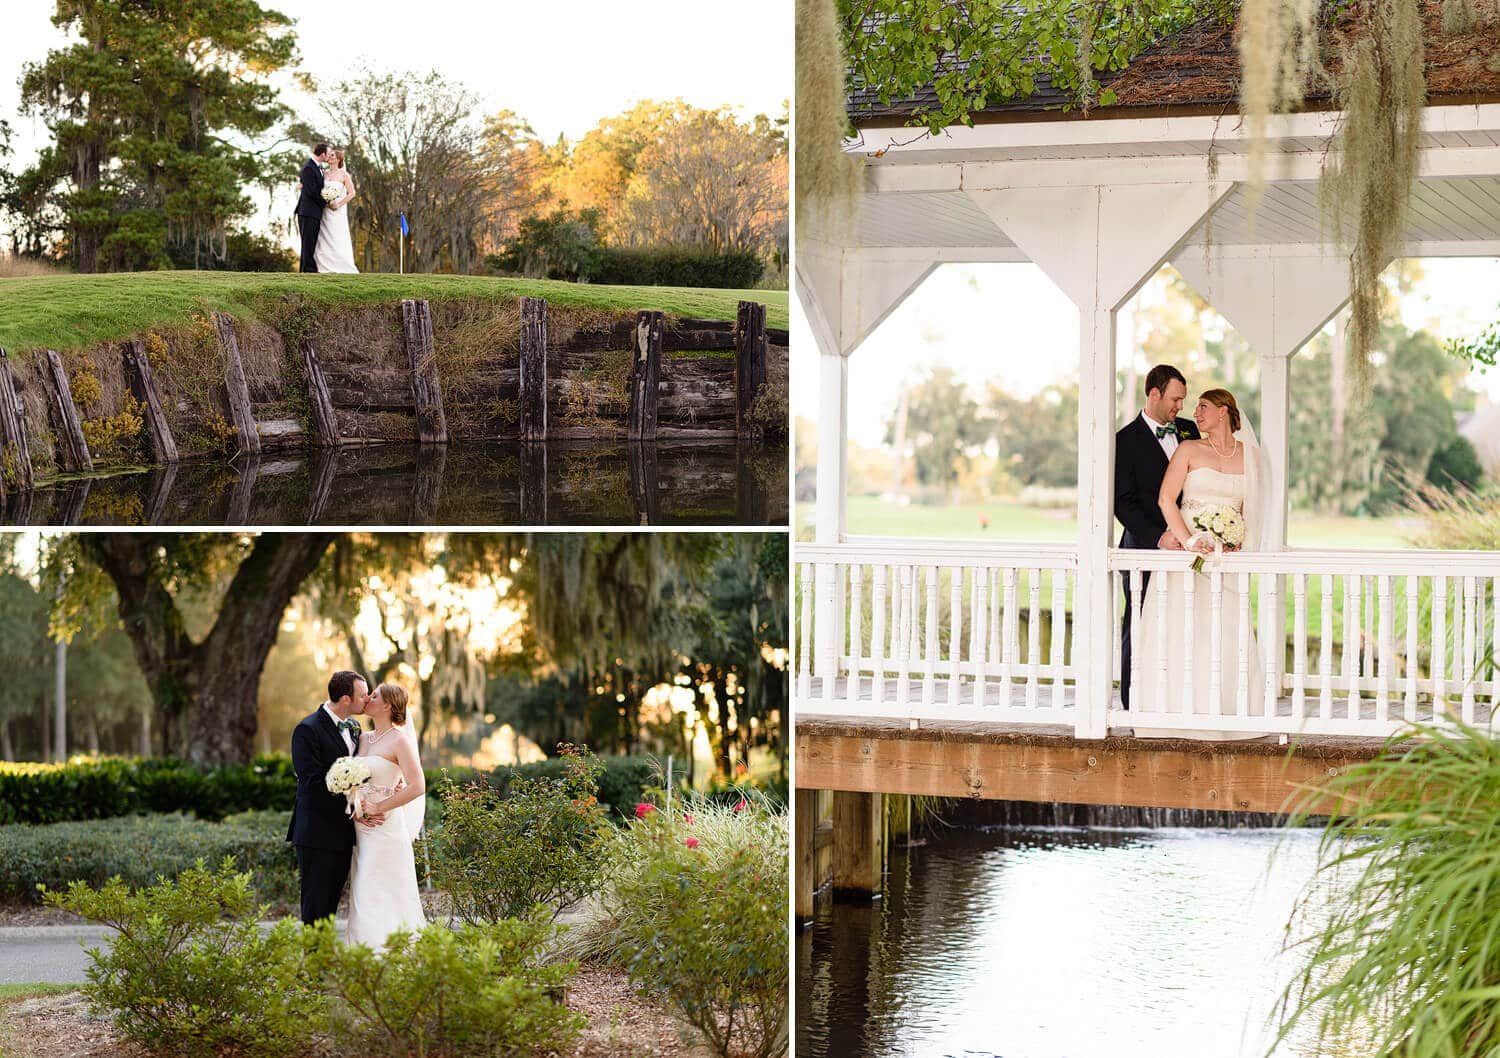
(620, 1025)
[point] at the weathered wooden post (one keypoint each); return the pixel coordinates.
(15, 457)
(858, 843)
(427, 487)
(533, 388)
(142, 381)
(240, 499)
(416, 334)
(159, 494)
(750, 364)
(750, 500)
(805, 805)
(73, 449)
(237, 390)
(533, 484)
(645, 483)
(324, 472)
(75, 497)
(325, 424)
(645, 375)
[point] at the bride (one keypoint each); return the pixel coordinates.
(335, 250)
(383, 893)
(1222, 469)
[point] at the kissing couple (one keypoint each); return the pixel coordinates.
(369, 836)
(1168, 470)
(323, 213)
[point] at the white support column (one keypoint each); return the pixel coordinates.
(1099, 245)
(1275, 440)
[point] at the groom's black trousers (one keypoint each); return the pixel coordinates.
(1125, 635)
(324, 872)
(309, 226)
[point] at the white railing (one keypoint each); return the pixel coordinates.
(937, 629)
(1349, 643)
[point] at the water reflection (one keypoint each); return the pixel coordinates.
(1061, 943)
(556, 483)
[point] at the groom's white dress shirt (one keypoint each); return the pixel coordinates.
(1168, 442)
(343, 731)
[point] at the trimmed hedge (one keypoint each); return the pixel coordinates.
(677, 268)
(111, 787)
(141, 849)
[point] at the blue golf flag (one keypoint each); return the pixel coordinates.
(404, 229)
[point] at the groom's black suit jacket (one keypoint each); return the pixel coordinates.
(310, 202)
(318, 817)
(1140, 464)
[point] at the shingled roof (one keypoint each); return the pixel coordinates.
(1196, 71)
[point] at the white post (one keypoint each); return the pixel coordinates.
(1275, 440)
(1093, 598)
(833, 463)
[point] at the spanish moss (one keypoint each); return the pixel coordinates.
(827, 178)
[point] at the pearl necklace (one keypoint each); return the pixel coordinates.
(1232, 448)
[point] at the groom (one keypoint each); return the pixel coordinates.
(321, 830)
(310, 206)
(1143, 447)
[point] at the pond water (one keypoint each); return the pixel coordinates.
(1033, 942)
(554, 483)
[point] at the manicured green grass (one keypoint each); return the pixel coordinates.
(76, 311)
(1017, 523)
(20, 992)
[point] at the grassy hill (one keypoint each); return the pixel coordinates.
(77, 311)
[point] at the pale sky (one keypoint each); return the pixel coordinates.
(562, 65)
(1009, 323)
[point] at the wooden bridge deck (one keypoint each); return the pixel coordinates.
(1049, 764)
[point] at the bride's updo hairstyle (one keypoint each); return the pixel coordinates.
(338, 156)
(1222, 398)
(394, 695)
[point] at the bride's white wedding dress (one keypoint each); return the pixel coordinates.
(1204, 487)
(383, 893)
(335, 250)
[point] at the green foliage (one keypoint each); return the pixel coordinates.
(115, 436)
(1455, 466)
(677, 267)
(696, 911)
(942, 423)
(978, 53)
(1037, 436)
(191, 973)
(1405, 960)
(480, 990)
(106, 787)
(561, 245)
(141, 849)
(243, 252)
(540, 846)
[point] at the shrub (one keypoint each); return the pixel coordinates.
(697, 912)
(478, 990)
(622, 782)
(106, 787)
(191, 972)
(542, 845)
(673, 267)
(140, 850)
(564, 245)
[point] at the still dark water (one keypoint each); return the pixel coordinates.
(1062, 943)
(554, 483)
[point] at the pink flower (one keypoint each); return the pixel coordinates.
(642, 810)
(688, 819)
(691, 843)
(744, 804)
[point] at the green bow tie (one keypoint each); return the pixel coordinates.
(351, 726)
(1162, 431)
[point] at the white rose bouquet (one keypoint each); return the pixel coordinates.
(332, 193)
(1222, 524)
(348, 776)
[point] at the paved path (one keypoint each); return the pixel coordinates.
(50, 954)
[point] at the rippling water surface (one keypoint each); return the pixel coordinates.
(1047, 943)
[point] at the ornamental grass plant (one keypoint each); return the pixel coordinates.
(1406, 960)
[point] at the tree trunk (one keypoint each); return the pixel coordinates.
(145, 746)
(207, 691)
(1338, 401)
(7, 751)
(60, 702)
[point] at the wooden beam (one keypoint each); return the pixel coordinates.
(645, 483)
(237, 390)
(242, 497)
(15, 456)
(427, 487)
(533, 484)
(416, 334)
(750, 499)
(75, 498)
(645, 376)
(73, 449)
(750, 364)
(805, 805)
(142, 381)
(858, 844)
(533, 387)
(325, 424)
(1004, 762)
(159, 494)
(324, 472)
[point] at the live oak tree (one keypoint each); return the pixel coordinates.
(153, 113)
